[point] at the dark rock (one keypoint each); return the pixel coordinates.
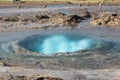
(114, 14)
(18, 78)
(48, 78)
(41, 17)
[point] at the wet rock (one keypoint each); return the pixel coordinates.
(96, 22)
(94, 15)
(42, 17)
(63, 19)
(59, 18)
(110, 19)
(58, 15)
(75, 18)
(18, 78)
(107, 18)
(85, 14)
(12, 77)
(104, 13)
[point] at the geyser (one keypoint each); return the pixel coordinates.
(61, 43)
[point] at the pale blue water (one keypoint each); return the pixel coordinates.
(61, 43)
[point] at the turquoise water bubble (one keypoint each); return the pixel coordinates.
(61, 43)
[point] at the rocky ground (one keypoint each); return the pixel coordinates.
(33, 21)
(16, 24)
(20, 73)
(107, 18)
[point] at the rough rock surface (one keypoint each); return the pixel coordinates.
(110, 19)
(20, 73)
(57, 18)
(15, 20)
(11, 77)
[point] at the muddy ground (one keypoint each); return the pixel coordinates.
(18, 23)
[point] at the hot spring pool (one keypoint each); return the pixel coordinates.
(61, 43)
